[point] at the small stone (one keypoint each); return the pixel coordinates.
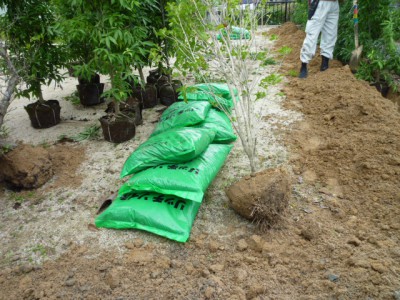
(163, 262)
(29, 293)
(189, 268)
(256, 243)
(112, 279)
(250, 259)
(213, 246)
(209, 292)
(129, 245)
(70, 282)
(396, 295)
(254, 291)
(242, 245)
(216, 268)
(154, 274)
(378, 267)
(103, 268)
(333, 277)
(26, 269)
(395, 253)
(362, 263)
(84, 288)
(241, 275)
(308, 234)
(16, 258)
(205, 273)
(199, 243)
(138, 243)
(216, 281)
(354, 241)
(176, 264)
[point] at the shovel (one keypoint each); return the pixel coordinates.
(355, 54)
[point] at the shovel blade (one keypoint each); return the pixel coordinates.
(355, 58)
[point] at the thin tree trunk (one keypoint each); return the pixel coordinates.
(142, 79)
(11, 84)
(7, 97)
(117, 107)
(41, 99)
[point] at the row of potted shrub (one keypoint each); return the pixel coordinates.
(103, 37)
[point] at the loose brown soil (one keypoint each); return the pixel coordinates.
(340, 237)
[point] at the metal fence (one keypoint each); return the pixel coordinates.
(276, 12)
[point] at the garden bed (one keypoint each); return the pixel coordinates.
(339, 239)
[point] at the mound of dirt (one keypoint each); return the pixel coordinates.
(261, 198)
(291, 36)
(27, 167)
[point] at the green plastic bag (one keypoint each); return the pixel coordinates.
(220, 123)
(236, 33)
(172, 146)
(185, 180)
(217, 94)
(182, 114)
(168, 216)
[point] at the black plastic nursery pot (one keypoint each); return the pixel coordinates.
(44, 115)
(117, 129)
(94, 79)
(168, 92)
(136, 107)
(131, 107)
(147, 96)
(90, 93)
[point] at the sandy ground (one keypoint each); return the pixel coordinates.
(339, 238)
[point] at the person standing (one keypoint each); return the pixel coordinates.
(323, 18)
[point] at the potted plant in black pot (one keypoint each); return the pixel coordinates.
(30, 33)
(77, 28)
(120, 34)
(167, 89)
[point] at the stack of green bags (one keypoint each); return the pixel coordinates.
(172, 170)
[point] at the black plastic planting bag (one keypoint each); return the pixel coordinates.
(220, 123)
(185, 180)
(181, 114)
(168, 216)
(172, 146)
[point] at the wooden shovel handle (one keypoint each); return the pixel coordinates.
(355, 19)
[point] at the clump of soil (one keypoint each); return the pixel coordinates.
(29, 167)
(262, 197)
(26, 167)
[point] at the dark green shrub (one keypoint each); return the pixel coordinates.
(300, 13)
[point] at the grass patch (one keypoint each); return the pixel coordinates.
(293, 73)
(90, 133)
(73, 98)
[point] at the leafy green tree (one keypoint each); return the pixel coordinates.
(121, 35)
(28, 27)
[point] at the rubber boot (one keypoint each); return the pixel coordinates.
(303, 71)
(324, 63)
